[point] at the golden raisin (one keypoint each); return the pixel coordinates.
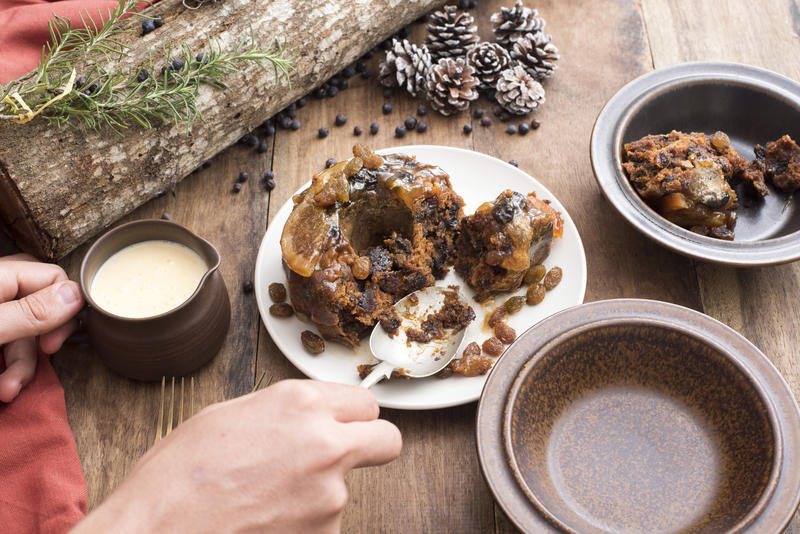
(535, 295)
(281, 310)
(493, 346)
(360, 268)
(277, 293)
(505, 333)
(473, 349)
(552, 278)
(353, 166)
(312, 342)
(326, 197)
(373, 162)
(534, 275)
(471, 366)
(447, 372)
(497, 315)
(514, 304)
(362, 151)
(493, 258)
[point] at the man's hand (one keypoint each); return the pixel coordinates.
(273, 461)
(37, 306)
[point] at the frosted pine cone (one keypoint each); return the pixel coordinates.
(536, 54)
(512, 23)
(451, 33)
(517, 91)
(406, 65)
(451, 86)
(488, 60)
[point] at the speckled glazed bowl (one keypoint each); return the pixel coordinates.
(633, 416)
(751, 105)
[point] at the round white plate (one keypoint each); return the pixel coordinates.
(477, 178)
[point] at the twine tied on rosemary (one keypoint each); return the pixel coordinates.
(101, 96)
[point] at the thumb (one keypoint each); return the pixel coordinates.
(39, 312)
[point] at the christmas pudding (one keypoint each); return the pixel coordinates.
(364, 234)
(503, 239)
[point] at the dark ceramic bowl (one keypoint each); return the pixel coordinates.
(173, 343)
(752, 105)
(633, 416)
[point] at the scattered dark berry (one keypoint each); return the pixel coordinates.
(361, 66)
(93, 88)
(269, 175)
(291, 108)
(371, 52)
(148, 26)
(422, 127)
(301, 102)
(164, 70)
(269, 185)
(486, 121)
(243, 177)
(357, 131)
(535, 124)
(423, 19)
(142, 76)
(373, 128)
(400, 131)
(247, 286)
(523, 128)
(292, 114)
(80, 82)
(158, 21)
(463, 4)
(237, 187)
(295, 125)
(178, 63)
(410, 123)
(467, 129)
(332, 91)
(249, 139)
(201, 58)
(473, 4)
(262, 147)
(322, 133)
(422, 110)
(285, 123)
(269, 129)
(319, 92)
(335, 82)
(387, 108)
(348, 72)
(513, 162)
(511, 129)
(344, 84)
(207, 164)
(366, 74)
(388, 93)
(403, 33)
(330, 162)
(340, 119)
(387, 44)
(166, 216)
(477, 113)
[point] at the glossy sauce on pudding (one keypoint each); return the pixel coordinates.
(147, 278)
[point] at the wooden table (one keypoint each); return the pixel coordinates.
(436, 485)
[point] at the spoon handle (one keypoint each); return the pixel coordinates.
(379, 372)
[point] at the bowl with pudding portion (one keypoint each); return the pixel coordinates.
(158, 305)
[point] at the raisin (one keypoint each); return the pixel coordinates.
(534, 275)
(505, 333)
(373, 162)
(312, 342)
(503, 212)
(514, 304)
(447, 372)
(493, 346)
(325, 198)
(353, 166)
(277, 292)
(535, 295)
(473, 349)
(281, 310)
(552, 278)
(497, 316)
(360, 268)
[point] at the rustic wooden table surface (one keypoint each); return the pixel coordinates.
(436, 485)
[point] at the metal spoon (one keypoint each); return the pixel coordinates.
(416, 360)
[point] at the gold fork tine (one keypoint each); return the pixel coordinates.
(261, 379)
(171, 407)
(180, 406)
(160, 412)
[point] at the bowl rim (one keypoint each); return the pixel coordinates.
(605, 143)
(489, 416)
(540, 355)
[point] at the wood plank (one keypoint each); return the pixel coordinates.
(765, 34)
(113, 418)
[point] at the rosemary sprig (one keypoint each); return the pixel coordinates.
(103, 97)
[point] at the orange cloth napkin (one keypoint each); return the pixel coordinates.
(42, 489)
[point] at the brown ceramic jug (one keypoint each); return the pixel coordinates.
(173, 343)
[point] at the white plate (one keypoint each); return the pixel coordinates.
(477, 178)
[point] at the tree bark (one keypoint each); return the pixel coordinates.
(59, 187)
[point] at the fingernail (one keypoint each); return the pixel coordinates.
(68, 293)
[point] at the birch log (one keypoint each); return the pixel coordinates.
(59, 187)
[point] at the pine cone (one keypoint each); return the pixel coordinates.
(512, 23)
(406, 65)
(451, 85)
(518, 92)
(488, 60)
(536, 54)
(451, 33)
